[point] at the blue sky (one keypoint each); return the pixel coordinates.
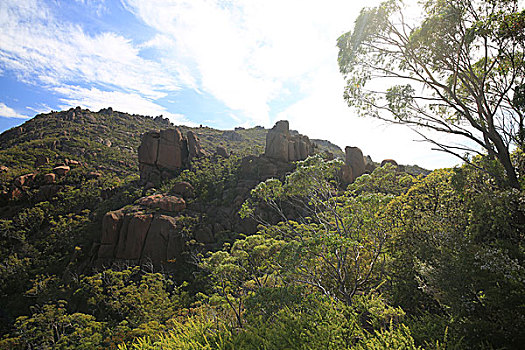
(221, 63)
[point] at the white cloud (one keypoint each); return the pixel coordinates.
(44, 50)
(244, 52)
(248, 54)
(8, 112)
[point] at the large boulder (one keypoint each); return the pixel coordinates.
(111, 223)
(133, 235)
(354, 158)
(47, 192)
(346, 174)
(221, 151)
(389, 161)
(138, 234)
(369, 165)
(194, 147)
(163, 154)
(170, 149)
(277, 141)
(24, 180)
(183, 189)
(148, 149)
(164, 241)
(61, 170)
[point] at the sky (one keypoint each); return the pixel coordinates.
(220, 63)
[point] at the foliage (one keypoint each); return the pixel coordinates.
(52, 327)
(337, 246)
(460, 243)
(211, 178)
(392, 261)
(249, 265)
(309, 322)
(458, 71)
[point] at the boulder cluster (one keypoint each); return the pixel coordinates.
(153, 228)
(283, 146)
(286, 146)
(44, 183)
(162, 154)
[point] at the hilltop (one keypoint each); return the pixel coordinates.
(110, 139)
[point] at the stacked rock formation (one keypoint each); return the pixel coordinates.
(163, 153)
(148, 230)
(354, 158)
(283, 146)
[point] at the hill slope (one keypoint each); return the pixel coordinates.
(51, 220)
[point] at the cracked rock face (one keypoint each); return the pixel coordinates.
(283, 146)
(140, 234)
(162, 154)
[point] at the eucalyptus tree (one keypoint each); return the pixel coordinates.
(334, 240)
(457, 70)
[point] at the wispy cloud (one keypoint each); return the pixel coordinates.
(8, 112)
(40, 108)
(250, 55)
(245, 52)
(97, 6)
(41, 49)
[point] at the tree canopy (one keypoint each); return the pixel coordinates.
(459, 71)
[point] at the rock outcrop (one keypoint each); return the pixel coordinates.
(140, 234)
(399, 167)
(346, 174)
(369, 165)
(194, 146)
(283, 146)
(24, 180)
(61, 170)
(354, 158)
(173, 204)
(162, 154)
(183, 189)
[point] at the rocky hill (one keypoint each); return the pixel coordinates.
(110, 139)
(117, 227)
(83, 190)
(61, 173)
